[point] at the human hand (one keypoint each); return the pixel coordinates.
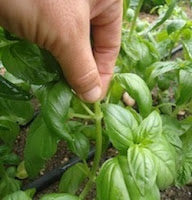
(63, 27)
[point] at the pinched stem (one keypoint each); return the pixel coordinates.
(98, 120)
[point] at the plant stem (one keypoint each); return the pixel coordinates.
(72, 115)
(135, 18)
(98, 118)
(87, 109)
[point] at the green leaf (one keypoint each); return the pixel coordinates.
(120, 126)
(10, 131)
(72, 179)
(116, 92)
(10, 91)
(25, 86)
(8, 185)
(160, 68)
(59, 197)
(141, 167)
(138, 90)
(187, 44)
(80, 145)
(172, 130)
(175, 25)
(89, 131)
(184, 93)
(21, 171)
(25, 61)
(55, 109)
(116, 182)
(19, 195)
(150, 128)
(40, 146)
(140, 53)
(17, 111)
(185, 166)
(163, 17)
(164, 158)
(110, 182)
(10, 159)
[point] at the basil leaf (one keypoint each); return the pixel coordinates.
(110, 182)
(10, 91)
(184, 93)
(172, 130)
(187, 44)
(175, 25)
(17, 111)
(141, 167)
(138, 90)
(80, 145)
(10, 159)
(164, 158)
(8, 185)
(140, 53)
(116, 92)
(160, 68)
(116, 182)
(55, 109)
(120, 126)
(10, 131)
(185, 169)
(40, 146)
(72, 179)
(150, 128)
(25, 61)
(163, 17)
(19, 195)
(59, 197)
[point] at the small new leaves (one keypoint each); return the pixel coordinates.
(150, 158)
(150, 128)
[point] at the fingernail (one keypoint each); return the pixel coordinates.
(92, 95)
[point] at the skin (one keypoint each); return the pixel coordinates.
(64, 27)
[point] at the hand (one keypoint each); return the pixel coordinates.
(63, 27)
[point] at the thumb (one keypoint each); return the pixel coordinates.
(80, 70)
(78, 64)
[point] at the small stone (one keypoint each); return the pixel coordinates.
(181, 112)
(128, 100)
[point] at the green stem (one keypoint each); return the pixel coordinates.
(98, 118)
(72, 115)
(135, 18)
(87, 109)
